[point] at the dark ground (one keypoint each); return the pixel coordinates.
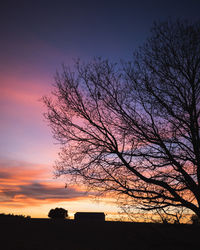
(46, 234)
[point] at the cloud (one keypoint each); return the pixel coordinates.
(4, 175)
(22, 171)
(41, 191)
(22, 184)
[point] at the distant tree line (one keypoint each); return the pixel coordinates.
(13, 216)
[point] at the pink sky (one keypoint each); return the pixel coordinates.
(28, 152)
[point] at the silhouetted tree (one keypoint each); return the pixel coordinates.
(133, 129)
(171, 215)
(58, 213)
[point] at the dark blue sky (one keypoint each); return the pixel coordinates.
(84, 28)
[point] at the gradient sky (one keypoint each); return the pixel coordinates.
(36, 38)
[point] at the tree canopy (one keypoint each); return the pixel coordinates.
(133, 128)
(58, 213)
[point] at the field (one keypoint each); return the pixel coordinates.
(46, 234)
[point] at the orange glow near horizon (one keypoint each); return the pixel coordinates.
(31, 189)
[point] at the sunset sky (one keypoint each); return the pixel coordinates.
(36, 38)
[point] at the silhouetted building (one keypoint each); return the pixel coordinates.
(85, 216)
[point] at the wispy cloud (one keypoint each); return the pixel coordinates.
(41, 191)
(22, 184)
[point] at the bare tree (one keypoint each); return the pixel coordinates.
(133, 128)
(171, 215)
